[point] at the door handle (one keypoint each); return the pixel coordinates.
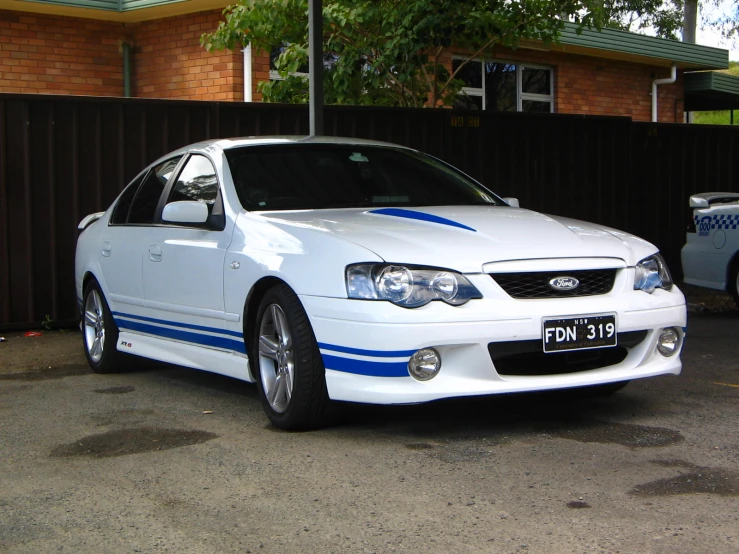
(155, 253)
(106, 249)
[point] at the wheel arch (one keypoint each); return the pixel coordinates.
(251, 305)
(731, 269)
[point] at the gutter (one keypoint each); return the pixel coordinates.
(667, 81)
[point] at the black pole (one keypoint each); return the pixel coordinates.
(315, 66)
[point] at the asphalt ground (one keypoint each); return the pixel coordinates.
(163, 459)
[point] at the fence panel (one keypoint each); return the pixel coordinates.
(64, 157)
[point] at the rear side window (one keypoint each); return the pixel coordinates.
(120, 213)
(144, 205)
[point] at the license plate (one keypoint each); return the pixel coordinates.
(579, 333)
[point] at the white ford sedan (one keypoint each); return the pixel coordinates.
(341, 269)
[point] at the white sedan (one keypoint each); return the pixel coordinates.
(342, 269)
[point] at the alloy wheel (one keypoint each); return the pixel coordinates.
(94, 326)
(276, 358)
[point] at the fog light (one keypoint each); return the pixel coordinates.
(669, 340)
(424, 364)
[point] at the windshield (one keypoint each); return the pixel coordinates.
(323, 176)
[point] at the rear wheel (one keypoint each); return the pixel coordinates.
(292, 379)
(99, 331)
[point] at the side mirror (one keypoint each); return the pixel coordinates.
(512, 202)
(185, 212)
(699, 202)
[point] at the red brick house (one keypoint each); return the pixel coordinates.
(151, 49)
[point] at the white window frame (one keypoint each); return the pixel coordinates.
(520, 95)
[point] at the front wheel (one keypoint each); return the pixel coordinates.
(292, 379)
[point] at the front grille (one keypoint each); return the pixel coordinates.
(527, 358)
(536, 285)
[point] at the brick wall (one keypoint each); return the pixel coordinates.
(67, 55)
(64, 55)
(170, 63)
(60, 55)
(596, 86)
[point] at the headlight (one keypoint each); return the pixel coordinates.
(652, 273)
(406, 286)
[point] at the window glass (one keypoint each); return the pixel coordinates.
(145, 203)
(304, 176)
(197, 181)
(120, 212)
(500, 87)
(468, 102)
(536, 81)
(471, 73)
(534, 106)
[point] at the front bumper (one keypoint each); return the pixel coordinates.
(366, 345)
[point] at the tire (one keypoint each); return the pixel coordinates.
(99, 332)
(290, 376)
(732, 285)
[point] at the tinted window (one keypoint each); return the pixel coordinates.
(145, 203)
(120, 213)
(197, 181)
(312, 176)
(500, 87)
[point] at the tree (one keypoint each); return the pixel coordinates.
(663, 17)
(390, 52)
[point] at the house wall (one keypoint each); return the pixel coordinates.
(60, 55)
(598, 86)
(64, 55)
(170, 63)
(67, 55)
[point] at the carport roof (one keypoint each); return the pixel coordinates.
(711, 90)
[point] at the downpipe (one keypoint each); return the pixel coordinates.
(667, 81)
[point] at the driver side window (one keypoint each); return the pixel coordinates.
(196, 182)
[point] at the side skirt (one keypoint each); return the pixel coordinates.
(224, 362)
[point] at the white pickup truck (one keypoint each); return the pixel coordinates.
(710, 256)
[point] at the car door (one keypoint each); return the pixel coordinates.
(129, 227)
(183, 263)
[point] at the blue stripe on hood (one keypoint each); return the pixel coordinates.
(410, 214)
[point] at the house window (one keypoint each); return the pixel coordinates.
(505, 87)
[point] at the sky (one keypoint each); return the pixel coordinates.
(710, 37)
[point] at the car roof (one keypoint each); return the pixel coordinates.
(227, 144)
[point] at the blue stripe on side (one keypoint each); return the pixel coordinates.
(362, 367)
(181, 325)
(411, 214)
(374, 353)
(185, 336)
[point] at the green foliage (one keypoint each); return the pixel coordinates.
(664, 17)
(390, 52)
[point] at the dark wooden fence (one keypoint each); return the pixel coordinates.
(64, 157)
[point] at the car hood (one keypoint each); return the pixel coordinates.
(465, 238)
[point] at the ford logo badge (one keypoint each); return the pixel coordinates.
(564, 283)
